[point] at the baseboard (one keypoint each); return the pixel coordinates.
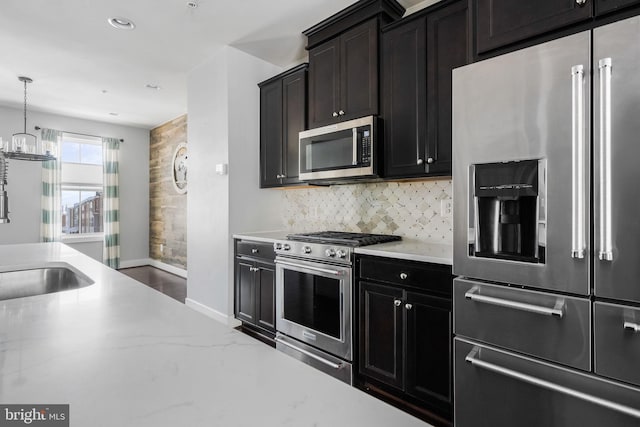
(212, 313)
(135, 263)
(168, 268)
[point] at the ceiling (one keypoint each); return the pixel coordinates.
(82, 67)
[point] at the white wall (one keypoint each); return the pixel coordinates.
(224, 128)
(25, 181)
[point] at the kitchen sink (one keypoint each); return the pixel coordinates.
(39, 281)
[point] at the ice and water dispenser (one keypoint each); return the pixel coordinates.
(507, 211)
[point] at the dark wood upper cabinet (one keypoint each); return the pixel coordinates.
(503, 22)
(606, 6)
(417, 59)
(343, 75)
(283, 114)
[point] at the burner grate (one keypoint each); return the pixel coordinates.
(344, 238)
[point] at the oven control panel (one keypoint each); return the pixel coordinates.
(317, 251)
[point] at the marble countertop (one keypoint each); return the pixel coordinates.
(122, 354)
(414, 250)
(408, 249)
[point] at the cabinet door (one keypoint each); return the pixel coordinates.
(404, 98)
(605, 6)
(265, 296)
(447, 48)
(428, 350)
(359, 71)
(271, 134)
(380, 333)
(294, 95)
(245, 292)
(324, 84)
(502, 22)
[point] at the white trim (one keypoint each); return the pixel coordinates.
(154, 263)
(135, 263)
(168, 268)
(82, 238)
(212, 313)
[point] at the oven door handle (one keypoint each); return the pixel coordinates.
(311, 355)
(312, 268)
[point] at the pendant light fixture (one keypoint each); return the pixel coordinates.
(24, 142)
(24, 145)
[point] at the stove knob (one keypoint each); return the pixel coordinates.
(277, 246)
(306, 249)
(341, 253)
(330, 253)
(286, 247)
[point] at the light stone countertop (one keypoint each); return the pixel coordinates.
(414, 250)
(408, 249)
(122, 354)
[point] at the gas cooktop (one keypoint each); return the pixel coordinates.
(343, 238)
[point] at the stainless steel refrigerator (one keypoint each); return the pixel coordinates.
(546, 187)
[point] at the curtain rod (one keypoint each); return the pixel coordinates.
(78, 133)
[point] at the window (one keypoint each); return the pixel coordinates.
(81, 183)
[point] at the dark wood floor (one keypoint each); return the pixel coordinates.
(167, 283)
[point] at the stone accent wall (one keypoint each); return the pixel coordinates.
(167, 208)
(409, 209)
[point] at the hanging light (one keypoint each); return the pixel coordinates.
(24, 142)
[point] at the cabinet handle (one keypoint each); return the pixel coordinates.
(278, 176)
(430, 160)
(581, 2)
(341, 112)
(632, 326)
(419, 161)
(335, 114)
(397, 303)
(408, 306)
(254, 251)
(403, 276)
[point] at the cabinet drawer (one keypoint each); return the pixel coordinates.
(429, 277)
(261, 250)
(617, 341)
(552, 327)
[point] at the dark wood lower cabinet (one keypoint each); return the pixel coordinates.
(405, 336)
(255, 287)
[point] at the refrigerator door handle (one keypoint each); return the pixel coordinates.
(578, 163)
(606, 247)
(557, 310)
(473, 358)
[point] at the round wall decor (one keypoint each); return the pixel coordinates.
(179, 168)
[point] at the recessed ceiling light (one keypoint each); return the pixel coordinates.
(104, 91)
(113, 114)
(152, 86)
(121, 23)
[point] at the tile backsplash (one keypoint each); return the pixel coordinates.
(409, 209)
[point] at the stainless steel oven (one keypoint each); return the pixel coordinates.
(314, 286)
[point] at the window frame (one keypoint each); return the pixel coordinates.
(80, 187)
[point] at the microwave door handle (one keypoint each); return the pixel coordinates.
(355, 147)
(606, 246)
(578, 163)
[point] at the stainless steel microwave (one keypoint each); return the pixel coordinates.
(341, 151)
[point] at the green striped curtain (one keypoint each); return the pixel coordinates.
(50, 224)
(111, 207)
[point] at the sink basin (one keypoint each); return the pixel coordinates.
(39, 281)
